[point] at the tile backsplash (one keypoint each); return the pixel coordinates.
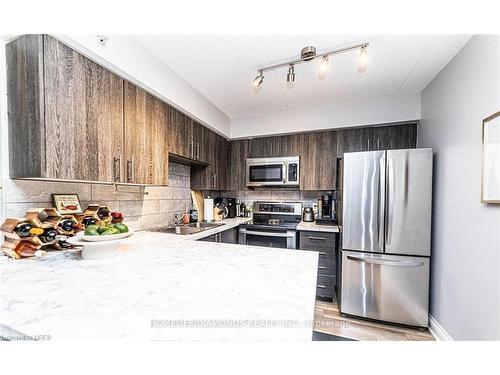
(141, 211)
(308, 198)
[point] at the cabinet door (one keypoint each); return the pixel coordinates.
(238, 153)
(318, 161)
(288, 145)
(83, 117)
(395, 137)
(146, 127)
(180, 134)
(204, 143)
(263, 147)
(221, 163)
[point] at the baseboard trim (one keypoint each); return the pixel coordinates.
(437, 331)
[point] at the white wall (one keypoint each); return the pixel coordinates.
(356, 113)
(465, 285)
(131, 60)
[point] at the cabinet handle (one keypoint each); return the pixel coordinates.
(316, 238)
(378, 143)
(116, 169)
(320, 286)
(191, 149)
(130, 170)
(321, 267)
(322, 253)
(197, 153)
(214, 177)
(368, 144)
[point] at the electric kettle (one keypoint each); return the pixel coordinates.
(308, 215)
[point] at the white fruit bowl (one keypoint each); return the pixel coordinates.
(96, 250)
(110, 237)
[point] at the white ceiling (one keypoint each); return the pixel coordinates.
(222, 68)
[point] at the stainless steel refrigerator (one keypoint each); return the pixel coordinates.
(386, 235)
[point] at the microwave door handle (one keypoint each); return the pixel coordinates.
(285, 169)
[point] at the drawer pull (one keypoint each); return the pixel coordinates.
(313, 238)
(321, 286)
(321, 267)
(322, 253)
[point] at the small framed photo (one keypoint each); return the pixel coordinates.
(67, 204)
(490, 184)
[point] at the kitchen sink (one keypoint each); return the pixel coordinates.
(185, 229)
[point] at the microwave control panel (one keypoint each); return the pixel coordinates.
(292, 172)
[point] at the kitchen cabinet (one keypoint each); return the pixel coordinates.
(377, 138)
(213, 176)
(324, 243)
(203, 143)
(227, 236)
(180, 134)
(318, 160)
(238, 153)
(395, 137)
(146, 132)
(267, 147)
(65, 113)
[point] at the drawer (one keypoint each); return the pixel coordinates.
(326, 266)
(325, 286)
(314, 240)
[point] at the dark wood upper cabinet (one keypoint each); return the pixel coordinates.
(180, 134)
(238, 153)
(318, 160)
(215, 175)
(146, 133)
(203, 143)
(65, 113)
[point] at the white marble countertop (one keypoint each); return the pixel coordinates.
(154, 284)
(312, 226)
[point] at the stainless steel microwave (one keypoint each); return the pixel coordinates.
(273, 171)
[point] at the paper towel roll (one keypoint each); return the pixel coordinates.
(208, 208)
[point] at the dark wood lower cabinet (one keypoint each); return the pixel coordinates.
(227, 236)
(324, 244)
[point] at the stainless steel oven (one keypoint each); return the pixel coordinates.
(273, 171)
(274, 225)
(282, 238)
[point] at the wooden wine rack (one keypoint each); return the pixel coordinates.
(45, 218)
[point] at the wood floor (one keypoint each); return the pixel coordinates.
(327, 319)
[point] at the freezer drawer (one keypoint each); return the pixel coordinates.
(385, 287)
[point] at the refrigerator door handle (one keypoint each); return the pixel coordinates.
(385, 262)
(382, 202)
(390, 200)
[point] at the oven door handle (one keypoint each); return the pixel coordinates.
(268, 234)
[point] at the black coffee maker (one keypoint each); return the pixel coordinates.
(326, 210)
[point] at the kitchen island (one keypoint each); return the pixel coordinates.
(162, 287)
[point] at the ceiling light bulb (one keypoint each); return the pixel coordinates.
(363, 59)
(258, 80)
(323, 67)
(290, 77)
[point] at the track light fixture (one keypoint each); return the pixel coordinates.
(258, 80)
(290, 77)
(308, 54)
(363, 60)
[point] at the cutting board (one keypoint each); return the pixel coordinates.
(197, 197)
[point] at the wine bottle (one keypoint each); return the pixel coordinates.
(67, 225)
(88, 220)
(23, 229)
(48, 235)
(103, 213)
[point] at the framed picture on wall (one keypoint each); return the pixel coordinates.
(490, 184)
(67, 204)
